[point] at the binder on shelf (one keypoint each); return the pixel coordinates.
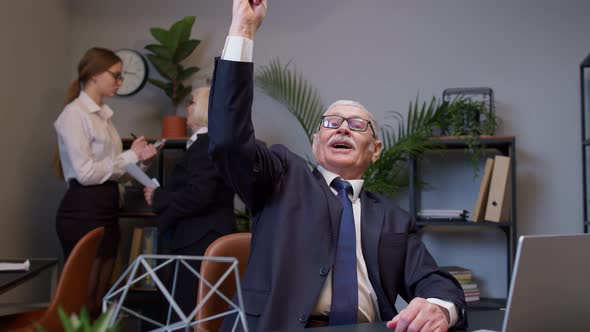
(484, 189)
(149, 246)
(498, 207)
(118, 266)
(135, 244)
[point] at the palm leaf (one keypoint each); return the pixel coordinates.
(389, 174)
(408, 139)
(288, 87)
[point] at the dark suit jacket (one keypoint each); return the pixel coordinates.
(196, 199)
(296, 221)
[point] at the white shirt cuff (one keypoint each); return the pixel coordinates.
(453, 316)
(238, 49)
(130, 157)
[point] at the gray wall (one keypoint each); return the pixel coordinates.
(35, 62)
(382, 53)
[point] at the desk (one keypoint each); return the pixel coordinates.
(11, 279)
(485, 319)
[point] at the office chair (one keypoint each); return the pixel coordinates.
(233, 245)
(71, 289)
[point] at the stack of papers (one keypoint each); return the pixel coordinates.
(141, 177)
(15, 266)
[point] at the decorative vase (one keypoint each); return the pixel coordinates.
(173, 126)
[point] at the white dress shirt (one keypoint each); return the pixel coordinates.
(367, 300)
(90, 149)
(193, 138)
(240, 49)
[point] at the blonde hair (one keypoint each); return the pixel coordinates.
(200, 115)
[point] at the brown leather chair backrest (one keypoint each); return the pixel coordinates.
(72, 287)
(233, 245)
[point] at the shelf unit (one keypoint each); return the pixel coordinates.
(584, 100)
(502, 145)
(147, 301)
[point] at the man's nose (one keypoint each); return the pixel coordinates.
(344, 129)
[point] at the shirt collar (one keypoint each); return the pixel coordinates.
(93, 107)
(357, 185)
(202, 130)
(190, 141)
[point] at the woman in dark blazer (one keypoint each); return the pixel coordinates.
(196, 204)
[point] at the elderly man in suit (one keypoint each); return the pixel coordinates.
(324, 251)
(196, 205)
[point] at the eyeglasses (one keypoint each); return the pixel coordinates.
(116, 76)
(354, 123)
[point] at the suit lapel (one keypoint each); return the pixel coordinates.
(371, 225)
(334, 205)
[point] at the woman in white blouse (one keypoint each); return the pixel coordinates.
(92, 160)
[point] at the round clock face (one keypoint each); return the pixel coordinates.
(135, 72)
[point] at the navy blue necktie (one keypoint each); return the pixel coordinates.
(344, 309)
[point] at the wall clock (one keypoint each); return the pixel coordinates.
(135, 72)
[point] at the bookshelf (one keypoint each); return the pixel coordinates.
(135, 212)
(585, 107)
(498, 145)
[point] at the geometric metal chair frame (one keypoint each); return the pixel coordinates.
(115, 297)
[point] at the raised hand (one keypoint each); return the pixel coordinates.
(247, 16)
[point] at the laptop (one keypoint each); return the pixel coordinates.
(550, 288)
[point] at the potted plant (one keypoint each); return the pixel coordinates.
(469, 119)
(84, 323)
(173, 47)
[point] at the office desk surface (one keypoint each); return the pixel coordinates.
(485, 319)
(11, 279)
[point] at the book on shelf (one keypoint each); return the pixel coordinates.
(469, 286)
(484, 188)
(118, 266)
(453, 269)
(465, 278)
(135, 244)
(149, 246)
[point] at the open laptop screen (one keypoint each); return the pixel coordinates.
(550, 288)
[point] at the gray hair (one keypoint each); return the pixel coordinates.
(356, 104)
(200, 114)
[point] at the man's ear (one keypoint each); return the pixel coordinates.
(315, 142)
(377, 147)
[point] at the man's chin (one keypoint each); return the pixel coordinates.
(340, 163)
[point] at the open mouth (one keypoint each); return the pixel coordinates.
(341, 146)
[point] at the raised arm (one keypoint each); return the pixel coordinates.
(250, 168)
